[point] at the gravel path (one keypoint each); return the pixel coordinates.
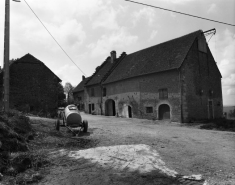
(135, 151)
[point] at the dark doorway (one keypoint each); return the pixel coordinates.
(164, 112)
(129, 112)
(110, 108)
(89, 108)
(211, 115)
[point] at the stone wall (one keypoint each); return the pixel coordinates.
(201, 83)
(141, 92)
(79, 100)
(95, 99)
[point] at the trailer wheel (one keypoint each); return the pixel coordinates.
(57, 126)
(85, 126)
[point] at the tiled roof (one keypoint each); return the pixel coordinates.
(80, 86)
(102, 71)
(161, 57)
(28, 58)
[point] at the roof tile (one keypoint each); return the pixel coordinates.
(161, 57)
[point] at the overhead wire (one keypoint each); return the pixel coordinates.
(54, 38)
(180, 13)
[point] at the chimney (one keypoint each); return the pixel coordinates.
(113, 56)
(83, 77)
(123, 54)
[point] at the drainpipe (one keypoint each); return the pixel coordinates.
(180, 90)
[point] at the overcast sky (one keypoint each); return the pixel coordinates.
(89, 29)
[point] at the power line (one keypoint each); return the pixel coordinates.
(180, 13)
(54, 38)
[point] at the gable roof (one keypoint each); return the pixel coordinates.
(165, 56)
(102, 71)
(80, 86)
(28, 58)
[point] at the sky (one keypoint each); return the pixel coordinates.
(89, 30)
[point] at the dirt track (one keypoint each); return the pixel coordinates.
(181, 151)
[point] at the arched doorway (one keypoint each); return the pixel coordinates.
(164, 112)
(110, 108)
(129, 112)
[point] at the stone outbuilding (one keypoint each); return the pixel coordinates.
(33, 86)
(177, 80)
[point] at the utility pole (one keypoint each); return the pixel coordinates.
(6, 56)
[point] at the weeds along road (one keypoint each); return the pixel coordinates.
(138, 151)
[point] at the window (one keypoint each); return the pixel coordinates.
(149, 109)
(79, 98)
(104, 91)
(92, 92)
(163, 93)
(92, 106)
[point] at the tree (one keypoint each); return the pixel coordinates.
(232, 113)
(61, 96)
(68, 89)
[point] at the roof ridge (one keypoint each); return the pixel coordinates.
(37, 61)
(83, 81)
(118, 60)
(96, 71)
(166, 42)
(189, 48)
(28, 54)
(160, 57)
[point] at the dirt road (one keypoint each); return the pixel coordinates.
(135, 151)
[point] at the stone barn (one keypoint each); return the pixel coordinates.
(33, 86)
(177, 80)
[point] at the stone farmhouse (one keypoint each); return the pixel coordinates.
(177, 80)
(33, 86)
(78, 94)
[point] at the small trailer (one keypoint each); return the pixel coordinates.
(72, 120)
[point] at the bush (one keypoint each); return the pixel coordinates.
(220, 124)
(14, 130)
(224, 123)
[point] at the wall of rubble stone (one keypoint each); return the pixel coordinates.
(94, 99)
(143, 91)
(201, 83)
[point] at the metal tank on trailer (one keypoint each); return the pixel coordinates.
(72, 120)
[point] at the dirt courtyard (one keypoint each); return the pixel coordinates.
(138, 151)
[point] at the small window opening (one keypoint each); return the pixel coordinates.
(149, 109)
(163, 93)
